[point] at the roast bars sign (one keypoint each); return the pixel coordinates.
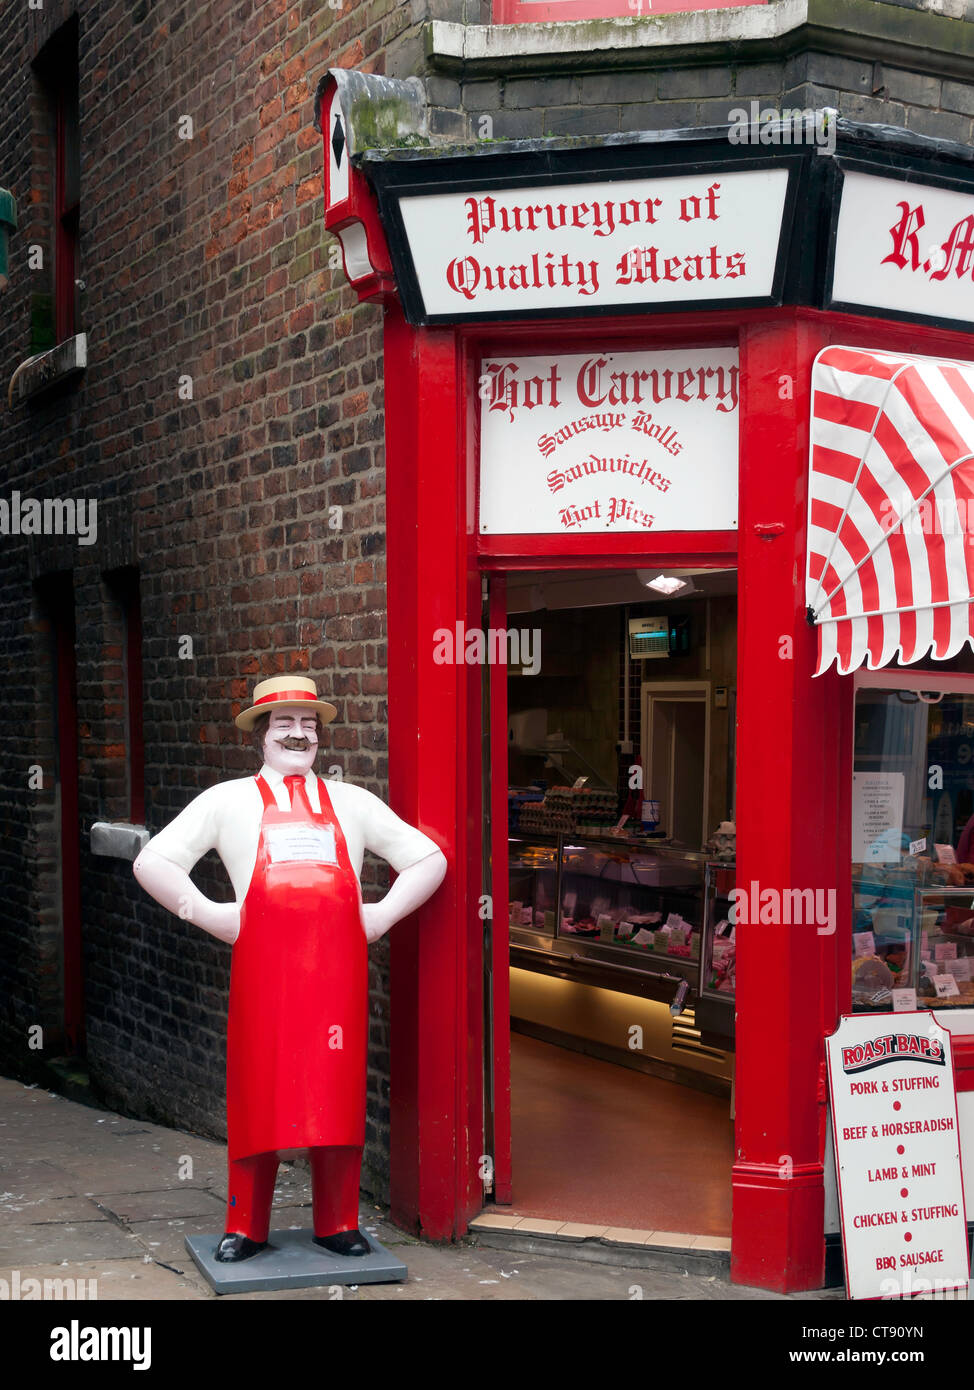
(576, 247)
(609, 441)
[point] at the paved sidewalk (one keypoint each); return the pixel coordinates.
(87, 1194)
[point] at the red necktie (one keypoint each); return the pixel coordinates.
(298, 793)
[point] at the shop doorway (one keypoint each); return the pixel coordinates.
(618, 970)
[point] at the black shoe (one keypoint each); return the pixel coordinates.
(344, 1243)
(234, 1247)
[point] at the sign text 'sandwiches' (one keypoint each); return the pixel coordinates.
(646, 241)
(629, 441)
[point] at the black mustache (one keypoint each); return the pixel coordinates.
(296, 745)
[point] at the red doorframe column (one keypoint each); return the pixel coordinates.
(789, 819)
(436, 1005)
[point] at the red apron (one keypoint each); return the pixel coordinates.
(297, 1031)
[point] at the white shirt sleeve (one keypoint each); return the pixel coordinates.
(386, 835)
(193, 832)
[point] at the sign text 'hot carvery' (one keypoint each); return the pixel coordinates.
(625, 441)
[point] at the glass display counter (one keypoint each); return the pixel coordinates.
(634, 908)
(912, 930)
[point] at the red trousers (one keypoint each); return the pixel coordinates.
(335, 1176)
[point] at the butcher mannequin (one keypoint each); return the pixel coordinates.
(297, 1030)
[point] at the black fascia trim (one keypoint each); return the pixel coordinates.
(544, 167)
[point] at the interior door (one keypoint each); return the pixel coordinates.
(676, 757)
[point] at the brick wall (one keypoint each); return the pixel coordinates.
(233, 398)
(597, 103)
(203, 258)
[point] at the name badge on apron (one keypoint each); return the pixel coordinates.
(286, 843)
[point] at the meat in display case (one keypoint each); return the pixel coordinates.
(621, 913)
(718, 963)
(532, 899)
(912, 930)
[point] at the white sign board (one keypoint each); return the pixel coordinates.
(877, 817)
(897, 1151)
(609, 441)
(903, 246)
(691, 237)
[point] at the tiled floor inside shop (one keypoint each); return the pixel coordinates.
(603, 1145)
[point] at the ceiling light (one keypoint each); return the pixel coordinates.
(666, 584)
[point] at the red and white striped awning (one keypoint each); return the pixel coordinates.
(890, 569)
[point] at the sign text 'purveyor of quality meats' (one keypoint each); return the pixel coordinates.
(588, 246)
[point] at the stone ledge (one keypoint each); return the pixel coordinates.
(49, 369)
(870, 29)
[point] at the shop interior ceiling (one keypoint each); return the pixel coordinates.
(531, 592)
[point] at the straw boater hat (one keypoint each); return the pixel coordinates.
(285, 692)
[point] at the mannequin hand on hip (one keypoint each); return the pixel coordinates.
(223, 921)
(375, 920)
(173, 887)
(410, 890)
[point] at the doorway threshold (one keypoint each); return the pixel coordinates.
(679, 1252)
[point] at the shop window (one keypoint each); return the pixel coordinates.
(913, 842)
(546, 11)
(125, 588)
(57, 176)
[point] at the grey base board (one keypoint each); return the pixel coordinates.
(291, 1261)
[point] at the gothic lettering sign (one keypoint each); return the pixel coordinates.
(707, 237)
(904, 248)
(609, 441)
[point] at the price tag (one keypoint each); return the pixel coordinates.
(302, 842)
(945, 854)
(918, 846)
(904, 1000)
(865, 943)
(961, 969)
(945, 950)
(579, 782)
(945, 985)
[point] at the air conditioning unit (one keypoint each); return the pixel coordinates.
(658, 637)
(648, 637)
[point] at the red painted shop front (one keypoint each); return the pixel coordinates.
(451, 572)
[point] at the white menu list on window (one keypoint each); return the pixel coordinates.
(877, 816)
